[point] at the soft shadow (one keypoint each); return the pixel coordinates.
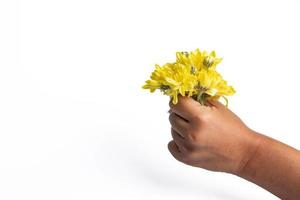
(146, 169)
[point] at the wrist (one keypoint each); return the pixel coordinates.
(253, 141)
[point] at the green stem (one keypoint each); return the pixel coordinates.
(200, 98)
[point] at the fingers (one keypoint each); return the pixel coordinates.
(182, 156)
(186, 107)
(174, 150)
(179, 124)
(184, 145)
(178, 138)
(216, 103)
(176, 135)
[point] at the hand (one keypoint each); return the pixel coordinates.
(210, 137)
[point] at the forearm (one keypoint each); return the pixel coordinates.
(275, 167)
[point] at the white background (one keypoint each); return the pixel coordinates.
(74, 121)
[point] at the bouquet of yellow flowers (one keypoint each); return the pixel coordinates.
(193, 74)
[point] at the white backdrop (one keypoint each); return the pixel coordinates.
(74, 121)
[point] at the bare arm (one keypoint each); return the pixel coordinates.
(214, 138)
(275, 167)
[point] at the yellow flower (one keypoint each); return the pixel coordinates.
(198, 60)
(211, 83)
(193, 74)
(157, 78)
(211, 60)
(172, 79)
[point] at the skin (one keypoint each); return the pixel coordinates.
(212, 137)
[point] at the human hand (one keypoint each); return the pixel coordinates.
(210, 137)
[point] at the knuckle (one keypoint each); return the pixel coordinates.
(194, 136)
(171, 149)
(204, 118)
(170, 146)
(207, 117)
(171, 118)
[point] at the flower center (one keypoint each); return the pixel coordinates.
(208, 61)
(193, 70)
(164, 87)
(201, 89)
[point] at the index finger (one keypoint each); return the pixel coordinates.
(186, 107)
